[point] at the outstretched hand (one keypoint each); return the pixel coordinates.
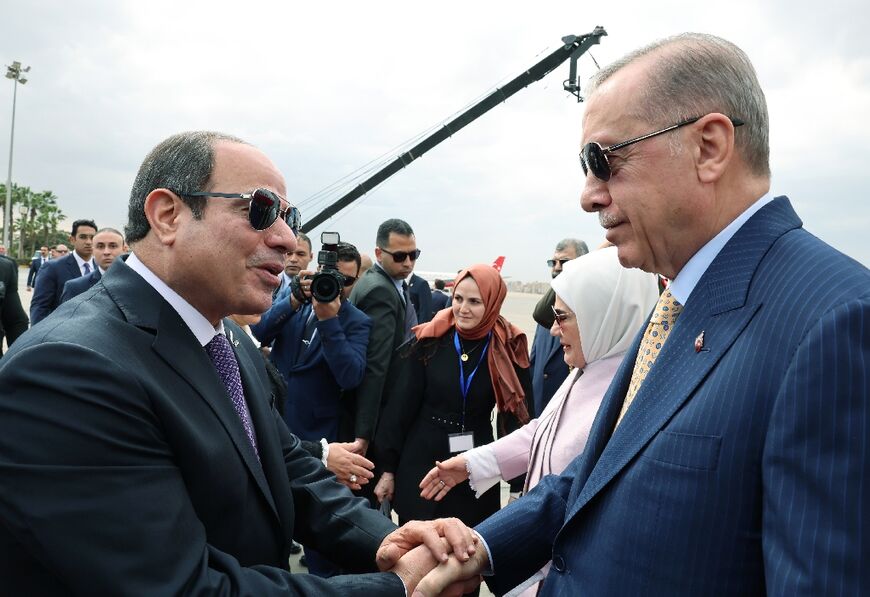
(443, 477)
(459, 540)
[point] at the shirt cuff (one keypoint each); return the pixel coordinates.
(490, 566)
(325, 455)
(483, 470)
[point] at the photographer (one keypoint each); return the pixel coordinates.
(320, 349)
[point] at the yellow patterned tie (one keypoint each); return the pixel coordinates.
(657, 331)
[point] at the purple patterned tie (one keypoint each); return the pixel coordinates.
(221, 354)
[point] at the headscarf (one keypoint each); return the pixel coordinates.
(611, 302)
(507, 346)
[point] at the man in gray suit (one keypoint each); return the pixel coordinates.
(382, 295)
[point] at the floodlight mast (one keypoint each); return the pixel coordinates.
(573, 47)
(13, 72)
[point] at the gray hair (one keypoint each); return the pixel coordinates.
(695, 74)
(578, 245)
(182, 163)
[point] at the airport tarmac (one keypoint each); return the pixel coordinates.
(517, 309)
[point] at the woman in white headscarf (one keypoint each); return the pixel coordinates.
(600, 307)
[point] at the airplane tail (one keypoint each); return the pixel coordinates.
(498, 263)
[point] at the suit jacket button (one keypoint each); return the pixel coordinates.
(546, 376)
(559, 564)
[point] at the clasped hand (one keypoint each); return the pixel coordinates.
(433, 557)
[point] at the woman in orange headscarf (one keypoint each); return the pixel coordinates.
(464, 362)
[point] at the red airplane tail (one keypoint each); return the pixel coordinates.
(498, 263)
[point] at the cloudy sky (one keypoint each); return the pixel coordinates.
(325, 88)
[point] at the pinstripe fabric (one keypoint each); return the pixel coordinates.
(741, 469)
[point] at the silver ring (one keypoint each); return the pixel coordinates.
(353, 479)
(442, 482)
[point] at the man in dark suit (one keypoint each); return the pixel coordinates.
(421, 297)
(730, 453)
(13, 319)
(140, 452)
(439, 297)
(54, 274)
(546, 361)
(382, 295)
(108, 246)
(35, 264)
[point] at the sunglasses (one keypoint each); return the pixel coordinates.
(264, 208)
(400, 256)
(61, 252)
(560, 316)
(349, 280)
(594, 157)
(553, 262)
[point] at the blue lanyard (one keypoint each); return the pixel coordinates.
(463, 384)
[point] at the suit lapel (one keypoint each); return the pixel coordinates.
(311, 350)
(676, 374)
(72, 266)
(176, 345)
(718, 307)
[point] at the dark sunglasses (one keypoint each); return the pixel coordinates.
(560, 316)
(594, 157)
(263, 210)
(349, 280)
(552, 262)
(400, 256)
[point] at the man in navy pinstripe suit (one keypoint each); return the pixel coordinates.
(742, 465)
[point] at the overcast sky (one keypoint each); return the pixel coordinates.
(324, 88)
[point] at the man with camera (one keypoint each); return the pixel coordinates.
(319, 347)
(319, 340)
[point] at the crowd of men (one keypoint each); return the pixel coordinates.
(146, 445)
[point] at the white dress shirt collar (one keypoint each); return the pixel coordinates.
(683, 285)
(198, 324)
(80, 262)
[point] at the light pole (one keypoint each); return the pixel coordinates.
(12, 72)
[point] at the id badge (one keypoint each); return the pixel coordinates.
(460, 442)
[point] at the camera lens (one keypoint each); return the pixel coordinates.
(325, 286)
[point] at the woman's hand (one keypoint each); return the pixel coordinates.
(385, 487)
(443, 477)
(352, 470)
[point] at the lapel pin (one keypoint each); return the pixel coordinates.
(236, 342)
(699, 342)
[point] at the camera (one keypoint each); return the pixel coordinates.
(328, 282)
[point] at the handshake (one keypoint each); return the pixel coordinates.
(437, 557)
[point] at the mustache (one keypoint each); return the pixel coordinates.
(607, 220)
